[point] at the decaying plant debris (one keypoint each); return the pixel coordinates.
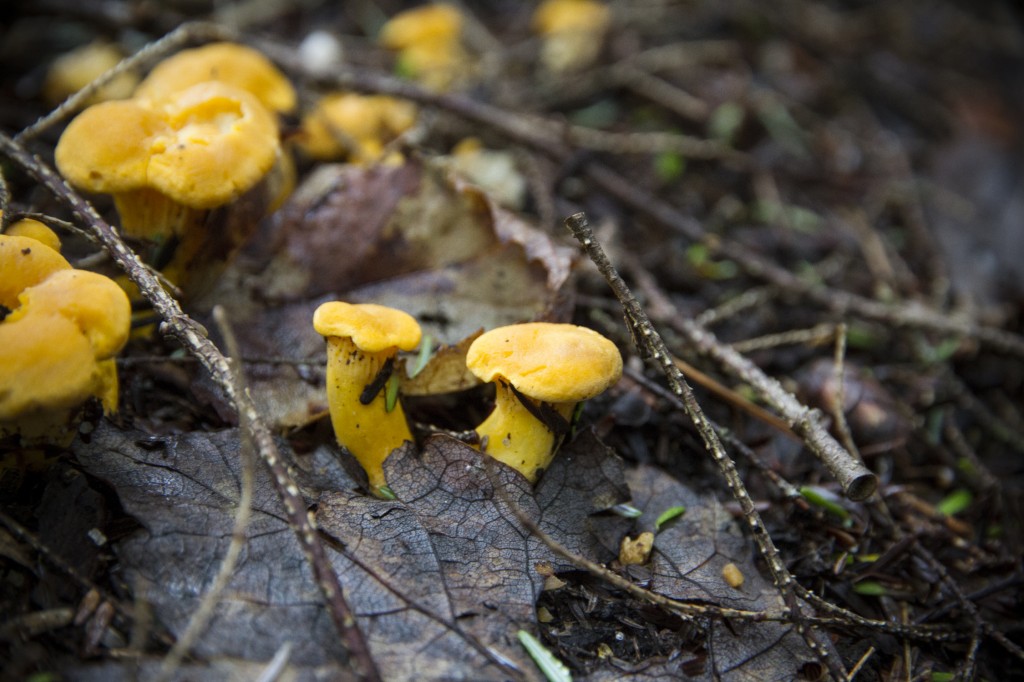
(800, 224)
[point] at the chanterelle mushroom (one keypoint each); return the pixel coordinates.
(428, 40)
(541, 370)
(236, 65)
(169, 162)
(58, 340)
(362, 342)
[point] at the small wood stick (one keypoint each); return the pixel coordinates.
(193, 337)
(647, 337)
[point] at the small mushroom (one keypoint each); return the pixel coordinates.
(347, 125)
(25, 262)
(57, 341)
(429, 45)
(541, 370)
(572, 32)
(362, 342)
(168, 163)
(29, 227)
(76, 69)
(236, 65)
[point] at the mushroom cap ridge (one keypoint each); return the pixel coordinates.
(203, 148)
(25, 262)
(237, 65)
(372, 328)
(547, 361)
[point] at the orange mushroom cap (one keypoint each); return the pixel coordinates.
(57, 342)
(550, 362)
(237, 65)
(204, 147)
(373, 328)
(420, 25)
(29, 227)
(556, 365)
(25, 262)
(76, 69)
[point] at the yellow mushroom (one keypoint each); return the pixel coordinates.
(236, 65)
(58, 340)
(29, 227)
(25, 262)
(354, 126)
(362, 342)
(169, 162)
(71, 72)
(572, 32)
(429, 45)
(541, 370)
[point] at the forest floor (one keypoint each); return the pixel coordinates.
(817, 443)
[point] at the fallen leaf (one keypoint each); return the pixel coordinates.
(408, 237)
(687, 562)
(441, 579)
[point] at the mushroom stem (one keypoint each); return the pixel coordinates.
(366, 429)
(513, 435)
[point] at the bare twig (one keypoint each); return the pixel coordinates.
(5, 199)
(790, 491)
(176, 38)
(201, 617)
(193, 337)
(856, 480)
(650, 343)
(125, 611)
(685, 610)
(838, 400)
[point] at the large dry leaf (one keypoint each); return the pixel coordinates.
(409, 237)
(440, 579)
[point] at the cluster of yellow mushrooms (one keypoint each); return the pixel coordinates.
(192, 157)
(540, 370)
(58, 339)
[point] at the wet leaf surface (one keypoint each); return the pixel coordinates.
(441, 578)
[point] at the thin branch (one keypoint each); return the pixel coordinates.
(856, 480)
(180, 36)
(201, 617)
(650, 343)
(194, 338)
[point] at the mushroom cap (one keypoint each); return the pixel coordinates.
(25, 262)
(30, 227)
(549, 362)
(93, 303)
(224, 141)
(76, 69)
(204, 147)
(369, 120)
(555, 16)
(429, 23)
(236, 65)
(106, 148)
(46, 364)
(372, 328)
